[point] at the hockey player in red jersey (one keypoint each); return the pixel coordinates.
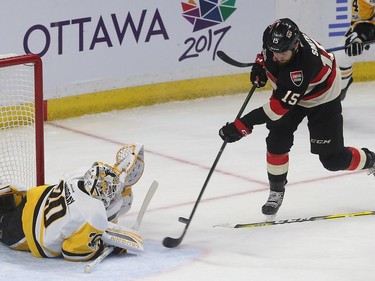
(362, 30)
(306, 83)
(74, 218)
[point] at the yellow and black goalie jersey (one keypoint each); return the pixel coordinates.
(62, 220)
(362, 10)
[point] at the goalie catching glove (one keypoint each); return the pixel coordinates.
(234, 131)
(130, 162)
(129, 165)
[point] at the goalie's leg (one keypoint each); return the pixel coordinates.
(10, 196)
(11, 229)
(12, 202)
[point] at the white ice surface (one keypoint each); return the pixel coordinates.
(181, 142)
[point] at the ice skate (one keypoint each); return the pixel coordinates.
(274, 201)
(370, 163)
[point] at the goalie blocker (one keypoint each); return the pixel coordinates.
(122, 237)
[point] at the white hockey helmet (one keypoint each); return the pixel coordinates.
(130, 160)
(102, 182)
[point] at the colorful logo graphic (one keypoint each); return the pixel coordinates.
(208, 13)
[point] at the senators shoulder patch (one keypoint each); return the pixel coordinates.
(296, 77)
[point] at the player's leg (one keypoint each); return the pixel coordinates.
(345, 64)
(326, 138)
(279, 142)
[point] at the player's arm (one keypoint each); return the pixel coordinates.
(121, 205)
(83, 245)
(361, 29)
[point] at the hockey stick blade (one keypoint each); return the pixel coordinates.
(170, 242)
(183, 220)
(225, 58)
(295, 220)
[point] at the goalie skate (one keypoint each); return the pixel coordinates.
(10, 196)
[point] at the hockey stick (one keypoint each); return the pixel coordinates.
(89, 267)
(224, 57)
(287, 221)
(170, 242)
(146, 202)
(366, 46)
(151, 191)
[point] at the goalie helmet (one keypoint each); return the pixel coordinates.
(130, 160)
(282, 36)
(102, 182)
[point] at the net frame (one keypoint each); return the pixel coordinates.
(35, 62)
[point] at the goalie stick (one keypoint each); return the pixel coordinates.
(108, 250)
(170, 242)
(225, 58)
(295, 220)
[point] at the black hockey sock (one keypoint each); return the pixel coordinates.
(278, 186)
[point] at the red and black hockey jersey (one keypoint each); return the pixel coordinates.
(311, 78)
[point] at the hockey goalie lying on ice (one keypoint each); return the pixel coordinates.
(74, 218)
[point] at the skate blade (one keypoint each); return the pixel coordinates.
(270, 217)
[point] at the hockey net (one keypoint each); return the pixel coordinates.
(21, 120)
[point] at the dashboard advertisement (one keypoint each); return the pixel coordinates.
(90, 45)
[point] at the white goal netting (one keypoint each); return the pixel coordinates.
(18, 133)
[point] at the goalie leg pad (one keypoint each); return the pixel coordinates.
(11, 232)
(10, 196)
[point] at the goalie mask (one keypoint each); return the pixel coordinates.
(130, 160)
(102, 182)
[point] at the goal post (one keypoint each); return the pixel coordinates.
(21, 120)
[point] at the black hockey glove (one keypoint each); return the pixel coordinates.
(258, 72)
(353, 44)
(234, 131)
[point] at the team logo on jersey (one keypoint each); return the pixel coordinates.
(297, 77)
